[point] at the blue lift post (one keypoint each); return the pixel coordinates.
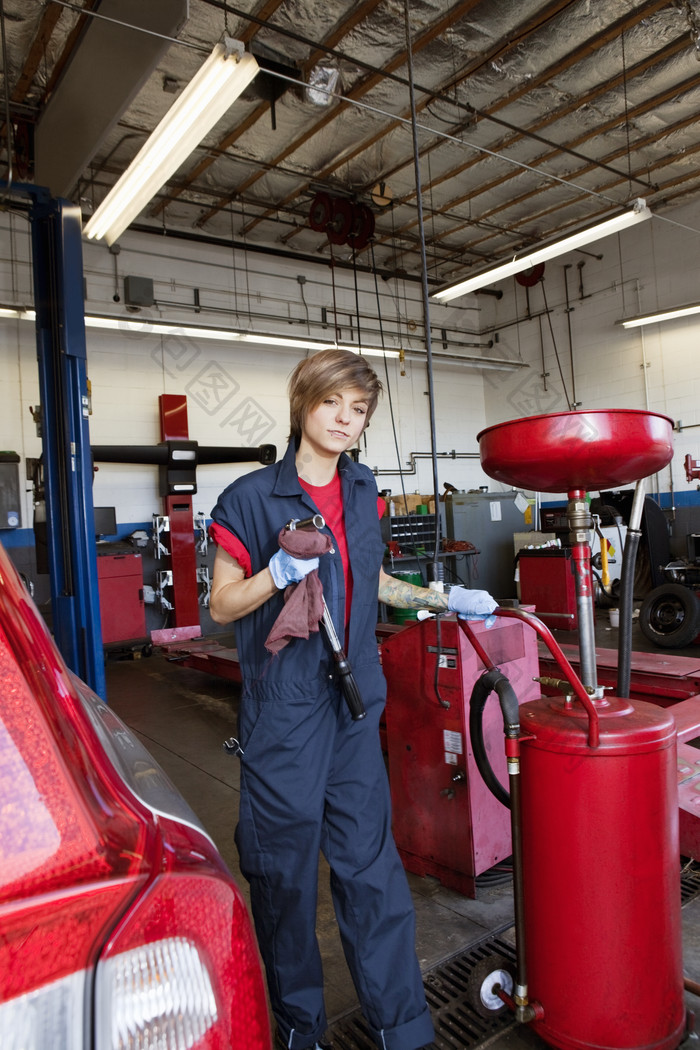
(68, 469)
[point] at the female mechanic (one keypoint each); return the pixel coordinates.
(312, 779)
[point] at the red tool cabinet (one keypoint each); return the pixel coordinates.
(446, 821)
(547, 582)
(120, 583)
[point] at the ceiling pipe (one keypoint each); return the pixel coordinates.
(262, 249)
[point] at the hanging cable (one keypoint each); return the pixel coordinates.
(234, 268)
(574, 402)
(357, 301)
(359, 325)
(424, 288)
(627, 121)
(432, 205)
(569, 402)
(8, 123)
(386, 373)
(438, 624)
(436, 684)
(336, 330)
(544, 373)
(415, 535)
(245, 267)
(301, 280)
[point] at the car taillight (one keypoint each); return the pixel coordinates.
(182, 972)
(70, 863)
(50, 1016)
(158, 994)
(120, 926)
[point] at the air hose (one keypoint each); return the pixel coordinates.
(629, 559)
(492, 680)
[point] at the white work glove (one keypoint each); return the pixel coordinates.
(472, 605)
(285, 569)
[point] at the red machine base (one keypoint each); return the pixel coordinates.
(460, 881)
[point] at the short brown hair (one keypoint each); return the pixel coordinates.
(329, 372)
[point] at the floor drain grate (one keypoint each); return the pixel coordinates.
(690, 883)
(457, 1024)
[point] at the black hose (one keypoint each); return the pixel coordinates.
(490, 681)
(624, 645)
(494, 679)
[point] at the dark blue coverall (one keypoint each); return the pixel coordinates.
(312, 779)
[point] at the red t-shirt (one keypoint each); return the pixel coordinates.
(329, 500)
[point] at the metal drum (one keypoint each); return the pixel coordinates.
(600, 861)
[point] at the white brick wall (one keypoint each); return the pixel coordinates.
(230, 387)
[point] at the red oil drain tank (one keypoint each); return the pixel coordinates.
(600, 866)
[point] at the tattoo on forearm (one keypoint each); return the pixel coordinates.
(402, 595)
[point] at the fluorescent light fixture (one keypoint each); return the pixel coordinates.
(222, 78)
(660, 315)
(312, 344)
(637, 212)
(278, 340)
(127, 324)
(367, 351)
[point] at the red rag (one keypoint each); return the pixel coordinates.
(303, 601)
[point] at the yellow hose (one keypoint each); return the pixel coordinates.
(604, 572)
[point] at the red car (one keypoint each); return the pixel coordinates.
(120, 924)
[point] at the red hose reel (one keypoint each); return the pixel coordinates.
(343, 221)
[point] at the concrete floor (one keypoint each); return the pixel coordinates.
(183, 716)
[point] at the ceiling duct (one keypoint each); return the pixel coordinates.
(107, 69)
(323, 83)
(267, 87)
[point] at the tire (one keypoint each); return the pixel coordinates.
(670, 616)
(485, 979)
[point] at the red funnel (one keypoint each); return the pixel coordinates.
(563, 451)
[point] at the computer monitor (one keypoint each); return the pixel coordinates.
(105, 522)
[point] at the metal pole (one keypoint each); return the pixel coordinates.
(579, 518)
(62, 356)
